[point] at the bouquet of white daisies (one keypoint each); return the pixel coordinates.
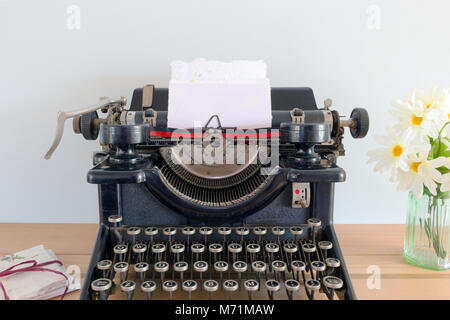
(416, 150)
(416, 153)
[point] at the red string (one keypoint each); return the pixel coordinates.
(34, 267)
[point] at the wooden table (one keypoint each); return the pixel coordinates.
(377, 247)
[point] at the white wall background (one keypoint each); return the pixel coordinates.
(328, 45)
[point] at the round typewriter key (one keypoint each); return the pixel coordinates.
(210, 286)
(308, 247)
(151, 231)
(133, 232)
(325, 246)
(189, 286)
(271, 248)
(230, 286)
(221, 267)
(312, 286)
(278, 231)
(242, 231)
(240, 267)
(115, 219)
(101, 286)
(180, 267)
(205, 231)
(141, 268)
(200, 267)
(332, 262)
(104, 266)
(139, 249)
(162, 267)
(224, 231)
(291, 287)
(290, 247)
(253, 248)
(215, 249)
(318, 266)
(234, 249)
(158, 249)
(296, 231)
(258, 267)
(279, 267)
(198, 249)
(128, 287)
(176, 249)
(122, 269)
(313, 223)
(121, 250)
(297, 267)
(170, 286)
(259, 231)
(332, 282)
(148, 287)
(251, 286)
(188, 232)
(169, 232)
(272, 286)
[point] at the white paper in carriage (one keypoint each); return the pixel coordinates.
(35, 285)
(238, 92)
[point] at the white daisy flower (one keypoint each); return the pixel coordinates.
(421, 172)
(393, 154)
(414, 115)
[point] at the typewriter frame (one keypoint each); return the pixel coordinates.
(131, 199)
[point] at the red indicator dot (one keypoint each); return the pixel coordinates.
(297, 191)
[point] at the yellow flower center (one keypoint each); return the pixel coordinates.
(448, 115)
(428, 105)
(414, 166)
(397, 150)
(417, 121)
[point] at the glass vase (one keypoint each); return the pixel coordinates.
(427, 236)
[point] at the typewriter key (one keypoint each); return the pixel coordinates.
(311, 286)
(318, 267)
(234, 249)
(221, 267)
(332, 283)
(278, 231)
(151, 231)
(272, 286)
(200, 267)
(170, 286)
(290, 248)
(296, 231)
(224, 231)
(242, 231)
(198, 249)
(291, 287)
(279, 267)
(128, 287)
(210, 286)
(308, 248)
(162, 267)
(297, 267)
(176, 249)
(189, 286)
(230, 286)
(258, 267)
(333, 262)
(215, 249)
(158, 249)
(141, 268)
(139, 249)
(251, 286)
(104, 266)
(115, 220)
(240, 267)
(169, 232)
(253, 249)
(206, 231)
(133, 232)
(188, 232)
(325, 246)
(271, 248)
(121, 250)
(122, 269)
(148, 287)
(101, 286)
(313, 223)
(180, 267)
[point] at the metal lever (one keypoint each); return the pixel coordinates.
(63, 116)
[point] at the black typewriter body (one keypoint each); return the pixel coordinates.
(163, 216)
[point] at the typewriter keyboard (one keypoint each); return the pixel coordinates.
(250, 262)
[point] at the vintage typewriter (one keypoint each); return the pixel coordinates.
(170, 230)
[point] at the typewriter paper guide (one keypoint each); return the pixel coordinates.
(237, 92)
